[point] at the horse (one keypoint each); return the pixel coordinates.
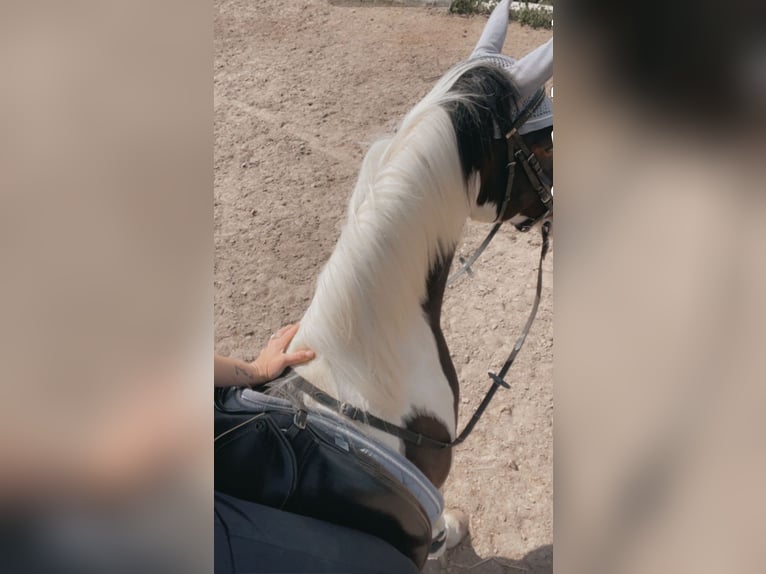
(366, 435)
(374, 320)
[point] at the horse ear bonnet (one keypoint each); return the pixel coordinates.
(528, 74)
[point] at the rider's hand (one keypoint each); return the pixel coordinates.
(274, 359)
(270, 363)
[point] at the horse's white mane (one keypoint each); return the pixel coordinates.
(408, 208)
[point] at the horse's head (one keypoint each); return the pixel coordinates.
(505, 146)
(510, 128)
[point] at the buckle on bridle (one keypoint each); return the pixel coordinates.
(530, 222)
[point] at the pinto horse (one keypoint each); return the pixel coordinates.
(365, 435)
(374, 321)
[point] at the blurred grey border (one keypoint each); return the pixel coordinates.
(106, 255)
(106, 226)
(659, 458)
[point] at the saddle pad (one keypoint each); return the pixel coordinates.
(320, 467)
(394, 462)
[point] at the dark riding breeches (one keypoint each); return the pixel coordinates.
(254, 538)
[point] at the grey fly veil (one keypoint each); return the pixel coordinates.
(528, 74)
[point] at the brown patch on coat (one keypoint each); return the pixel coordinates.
(433, 462)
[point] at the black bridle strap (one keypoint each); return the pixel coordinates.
(533, 170)
(356, 414)
(498, 379)
(526, 113)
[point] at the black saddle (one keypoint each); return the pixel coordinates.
(277, 457)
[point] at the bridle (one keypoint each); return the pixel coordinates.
(518, 153)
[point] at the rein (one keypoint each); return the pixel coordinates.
(349, 411)
(466, 263)
(498, 379)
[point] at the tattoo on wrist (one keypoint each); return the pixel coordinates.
(242, 372)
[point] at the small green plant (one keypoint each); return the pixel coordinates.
(528, 16)
(468, 7)
(533, 17)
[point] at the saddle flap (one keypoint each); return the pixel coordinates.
(253, 456)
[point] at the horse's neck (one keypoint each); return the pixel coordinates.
(373, 325)
(371, 319)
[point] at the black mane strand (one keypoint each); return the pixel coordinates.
(481, 112)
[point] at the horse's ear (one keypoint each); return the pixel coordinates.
(529, 73)
(493, 35)
(533, 70)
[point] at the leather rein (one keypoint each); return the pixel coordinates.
(517, 153)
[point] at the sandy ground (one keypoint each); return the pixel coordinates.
(301, 90)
